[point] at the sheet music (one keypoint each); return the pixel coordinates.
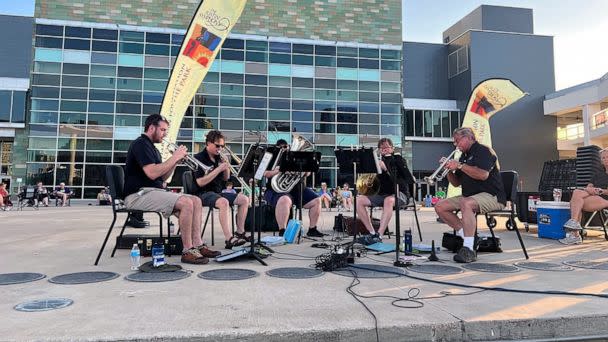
(259, 173)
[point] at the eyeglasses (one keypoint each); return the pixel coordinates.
(219, 146)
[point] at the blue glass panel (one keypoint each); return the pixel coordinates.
(48, 55)
(279, 70)
(79, 57)
(369, 75)
(303, 71)
(347, 140)
(233, 67)
(280, 47)
(274, 136)
(131, 60)
(127, 133)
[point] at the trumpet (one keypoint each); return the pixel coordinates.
(225, 155)
(191, 162)
(441, 171)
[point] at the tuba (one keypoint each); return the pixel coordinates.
(284, 182)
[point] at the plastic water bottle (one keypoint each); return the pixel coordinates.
(135, 257)
(407, 241)
(158, 255)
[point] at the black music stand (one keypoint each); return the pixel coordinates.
(248, 170)
(298, 161)
(358, 160)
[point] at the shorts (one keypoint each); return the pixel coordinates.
(209, 198)
(153, 199)
(486, 202)
(378, 200)
(273, 197)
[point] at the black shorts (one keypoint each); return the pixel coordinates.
(209, 198)
(308, 195)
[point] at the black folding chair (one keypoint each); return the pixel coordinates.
(27, 198)
(410, 204)
(603, 224)
(510, 179)
(115, 179)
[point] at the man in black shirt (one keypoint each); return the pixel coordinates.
(282, 202)
(145, 173)
(592, 198)
(211, 185)
(478, 173)
(385, 197)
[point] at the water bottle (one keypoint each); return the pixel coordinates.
(158, 255)
(135, 257)
(407, 241)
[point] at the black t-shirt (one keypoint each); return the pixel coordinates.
(600, 180)
(404, 176)
(484, 158)
(217, 184)
(141, 153)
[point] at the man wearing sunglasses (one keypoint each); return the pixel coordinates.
(211, 185)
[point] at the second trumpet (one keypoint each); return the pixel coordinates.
(441, 171)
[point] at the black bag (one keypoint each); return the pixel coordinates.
(346, 223)
(488, 244)
(173, 245)
(264, 218)
(451, 242)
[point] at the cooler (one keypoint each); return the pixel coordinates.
(551, 218)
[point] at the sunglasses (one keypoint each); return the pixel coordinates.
(219, 146)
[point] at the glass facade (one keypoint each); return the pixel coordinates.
(431, 123)
(12, 106)
(92, 88)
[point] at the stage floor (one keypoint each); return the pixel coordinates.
(56, 241)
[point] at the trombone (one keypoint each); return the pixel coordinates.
(441, 171)
(225, 155)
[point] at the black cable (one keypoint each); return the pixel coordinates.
(350, 291)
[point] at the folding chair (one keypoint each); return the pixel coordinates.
(603, 217)
(191, 188)
(115, 178)
(410, 203)
(27, 198)
(510, 179)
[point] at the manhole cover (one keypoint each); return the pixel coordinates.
(435, 269)
(44, 304)
(18, 278)
(294, 272)
(154, 277)
(494, 268)
(83, 277)
(371, 271)
(543, 266)
(228, 274)
(596, 265)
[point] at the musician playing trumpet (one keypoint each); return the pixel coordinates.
(282, 202)
(145, 173)
(478, 172)
(211, 184)
(385, 197)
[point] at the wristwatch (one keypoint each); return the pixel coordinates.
(460, 166)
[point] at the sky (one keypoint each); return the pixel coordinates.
(579, 45)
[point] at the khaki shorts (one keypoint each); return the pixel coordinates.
(153, 199)
(485, 201)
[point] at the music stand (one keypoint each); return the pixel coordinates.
(357, 160)
(248, 170)
(298, 161)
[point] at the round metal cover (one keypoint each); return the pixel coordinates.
(83, 277)
(543, 266)
(493, 268)
(18, 278)
(44, 304)
(596, 265)
(371, 271)
(228, 274)
(149, 277)
(294, 272)
(435, 269)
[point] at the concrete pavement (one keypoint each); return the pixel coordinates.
(56, 241)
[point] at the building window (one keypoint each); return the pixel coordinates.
(458, 61)
(12, 106)
(430, 123)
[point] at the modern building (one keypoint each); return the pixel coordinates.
(490, 42)
(582, 116)
(330, 71)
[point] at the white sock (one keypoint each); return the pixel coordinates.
(460, 232)
(468, 242)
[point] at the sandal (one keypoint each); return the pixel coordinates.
(234, 242)
(243, 236)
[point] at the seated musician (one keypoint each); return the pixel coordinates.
(592, 198)
(478, 173)
(211, 185)
(386, 194)
(145, 173)
(282, 202)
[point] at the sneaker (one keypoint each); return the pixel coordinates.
(572, 224)
(314, 232)
(465, 255)
(135, 223)
(571, 240)
(207, 253)
(369, 239)
(281, 232)
(193, 256)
